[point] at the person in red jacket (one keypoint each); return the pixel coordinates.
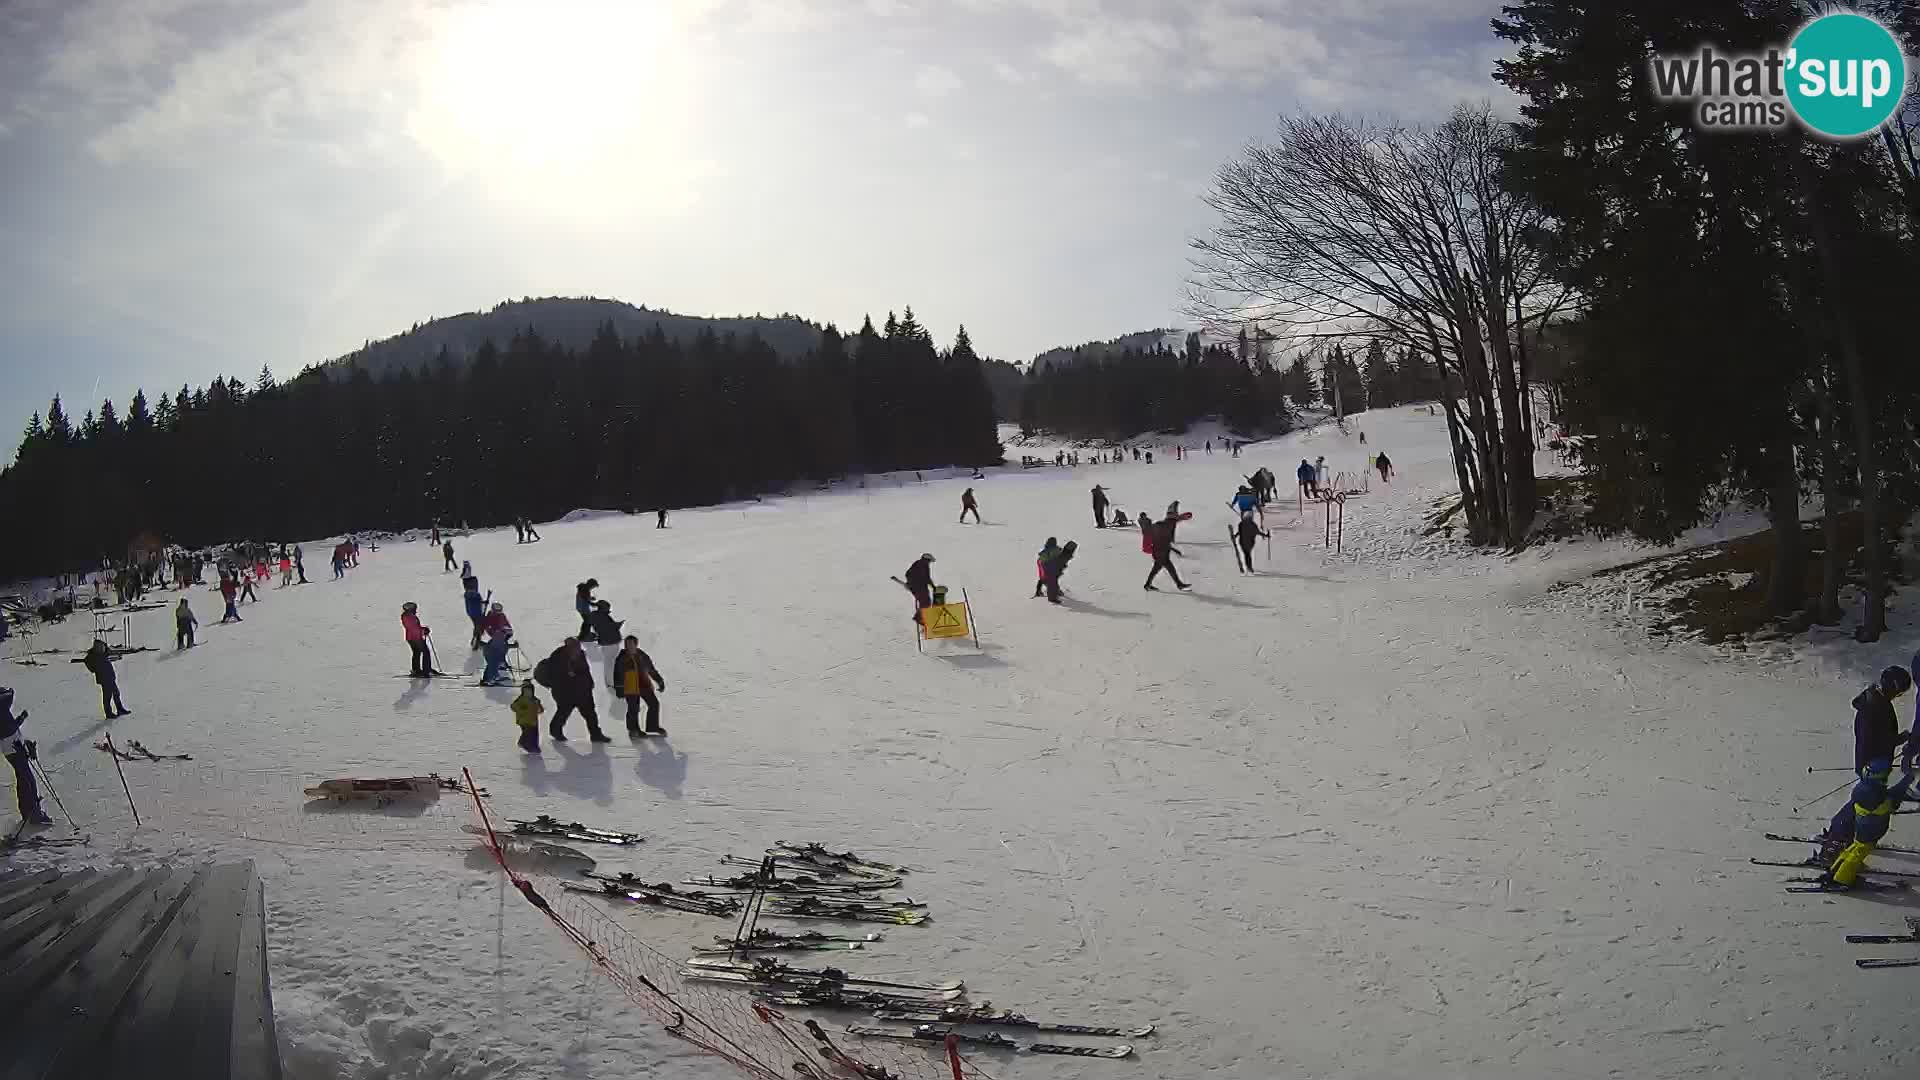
(422, 662)
(228, 590)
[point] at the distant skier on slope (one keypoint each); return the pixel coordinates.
(1385, 465)
(659, 518)
(99, 661)
(446, 553)
(421, 664)
(969, 506)
(533, 534)
(300, 565)
(583, 605)
(229, 590)
(1309, 480)
(1245, 533)
(20, 753)
(1099, 507)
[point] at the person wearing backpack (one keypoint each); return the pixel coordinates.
(99, 661)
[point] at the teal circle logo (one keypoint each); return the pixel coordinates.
(1846, 75)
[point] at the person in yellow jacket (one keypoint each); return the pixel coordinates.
(1873, 804)
(635, 679)
(526, 712)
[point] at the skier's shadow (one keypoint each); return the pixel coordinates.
(415, 688)
(1082, 606)
(661, 767)
(587, 776)
(1224, 601)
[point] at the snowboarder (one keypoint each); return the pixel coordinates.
(183, 624)
(20, 753)
(476, 608)
(1245, 533)
(969, 506)
(570, 678)
(635, 678)
(1099, 507)
(660, 518)
(1048, 552)
(446, 552)
(1309, 480)
(99, 660)
(1385, 465)
(229, 590)
(421, 665)
(526, 713)
(919, 582)
(583, 604)
(1158, 541)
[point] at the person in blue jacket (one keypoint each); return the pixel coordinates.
(1869, 810)
(1309, 478)
(495, 650)
(1244, 501)
(476, 607)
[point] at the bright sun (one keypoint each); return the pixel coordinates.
(552, 85)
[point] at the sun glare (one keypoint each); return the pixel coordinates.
(552, 85)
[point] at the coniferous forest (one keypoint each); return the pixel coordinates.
(1108, 394)
(527, 427)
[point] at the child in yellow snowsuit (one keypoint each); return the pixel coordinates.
(526, 712)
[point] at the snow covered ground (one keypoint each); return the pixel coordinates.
(1370, 816)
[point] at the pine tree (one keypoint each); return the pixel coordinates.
(1299, 384)
(59, 428)
(1382, 385)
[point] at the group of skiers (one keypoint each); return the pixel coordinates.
(1859, 826)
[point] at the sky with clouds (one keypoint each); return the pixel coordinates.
(197, 187)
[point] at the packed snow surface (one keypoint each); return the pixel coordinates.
(1374, 815)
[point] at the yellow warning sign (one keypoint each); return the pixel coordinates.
(944, 620)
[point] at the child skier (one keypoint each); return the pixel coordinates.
(286, 571)
(1049, 551)
(526, 712)
(183, 624)
(495, 650)
(20, 752)
(99, 660)
(229, 590)
(476, 608)
(635, 679)
(246, 588)
(421, 664)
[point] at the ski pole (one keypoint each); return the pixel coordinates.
(114, 753)
(48, 784)
(1835, 791)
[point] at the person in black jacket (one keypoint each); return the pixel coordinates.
(635, 678)
(572, 685)
(605, 628)
(1876, 733)
(99, 660)
(919, 582)
(20, 752)
(1160, 546)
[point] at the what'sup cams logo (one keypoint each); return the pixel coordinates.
(1842, 76)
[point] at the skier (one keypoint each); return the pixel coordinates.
(20, 753)
(1381, 462)
(246, 588)
(228, 590)
(286, 571)
(339, 561)
(1870, 808)
(969, 506)
(99, 660)
(919, 582)
(1099, 507)
(583, 604)
(1158, 540)
(1309, 482)
(446, 552)
(1245, 533)
(660, 518)
(533, 535)
(466, 569)
(519, 532)
(605, 628)
(495, 651)
(526, 713)
(421, 665)
(475, 608)
(497, 622)
(299, 565)
(1244, 501)
(1876, 734)
(570, 678)
(1048, 552)
(1209, 446)
(635, 678)
(183, 624)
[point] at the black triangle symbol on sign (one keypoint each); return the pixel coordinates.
(944, 618)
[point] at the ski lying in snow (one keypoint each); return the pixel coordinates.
(982, 1014)
(1813, 885)
(137, 748)
(833, 996)
(820, 851)
(842, 1058)
(1887, 962)
(387, 788)
(732, 948)
(520, 845)
(1809, 864)
(761, 936)
(123, 755)
(936, 1034)
(810, 907)
(814, 862)
(678, 903)
(544, 825)
(807, 987)
(665, 888)
(780, 969)
(11, 844)
(1912, 935)
(1894, 848)
(851, 903)
(808, 885)
(433, 675)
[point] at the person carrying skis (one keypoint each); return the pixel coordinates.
(1049, 551)
(583, 604)
(183, 624)
(476, 608)
(919, 582)
(1309, 480)
(1876, 734)
(1385, 465)
(1099, 507)
(969, 506)
(416, 634)
(99, 660)
(1159, 543)
(20, 753)
(635, 678)
(570, 678)
(526, 713)
(446, 553)
(1245, 533)
(228, 590)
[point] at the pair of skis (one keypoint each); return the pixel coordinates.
(848, 858)
(544, 825)
(817, 862)
(1911, 937)
(767, 971)
(521, 845)
(988, 1015)
(990, 1040)
(647, 897)
(137, 752)
(813, 907)
(387, 789)
(802, 885)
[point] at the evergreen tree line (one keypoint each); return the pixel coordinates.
(1371, 382)
(529, 428)
(1118, 394)
(1745, 318)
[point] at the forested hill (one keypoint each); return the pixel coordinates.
(569, 322)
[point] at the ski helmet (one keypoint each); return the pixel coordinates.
(1895, 681)
(409, 607)
(925, 557)
(498, 607)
